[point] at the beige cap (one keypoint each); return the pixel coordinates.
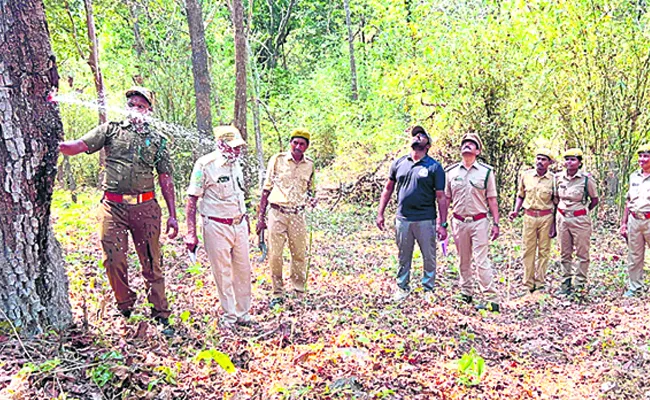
(230, 135)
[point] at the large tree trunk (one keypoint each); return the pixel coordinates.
(241, 56)
(34, 289)
(353, 64)
(200, 71)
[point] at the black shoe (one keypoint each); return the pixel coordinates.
(466, 298)
(566, 291)
(126, 313)
(489, 306)
(276, 302)
(164, 323)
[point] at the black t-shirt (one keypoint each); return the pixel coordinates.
(417, 183)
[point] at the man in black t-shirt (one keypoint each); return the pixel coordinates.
(420, 181)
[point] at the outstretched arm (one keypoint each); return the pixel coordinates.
(73, 147)
(167, 188)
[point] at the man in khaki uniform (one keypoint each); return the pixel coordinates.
(218, 182)
(288, 185)
(575, 195)
(535, 194)
(635, 226)
(471, 188)
(133, 150)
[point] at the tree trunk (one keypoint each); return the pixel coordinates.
(200, 71)
(353, 65)
(34, 290)
(241, 57)
(261, 171)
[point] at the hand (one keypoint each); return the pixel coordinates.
(623, 231)
(552, 232)
(191, 241)
(442, 233)
(172, 225)
(495, 232)
(380, 222)
(513, 215)
(261, 225)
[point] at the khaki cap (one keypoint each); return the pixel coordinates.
(230, 135)
(474, 137)
(144, 92)
(301, 133)
(574, 152)
(543, 151)
(644, 148)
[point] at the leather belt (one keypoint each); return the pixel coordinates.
(473, 218)
(640, 215)
(572, 213)
(228, 221)
(539, 213)
(288, 210)
(129, 198)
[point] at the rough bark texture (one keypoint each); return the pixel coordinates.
(241, 57)
(34, 289)
(93, 61)
(200, 69)
(353, 64)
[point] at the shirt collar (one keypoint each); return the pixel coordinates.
(289, 157)
(546, 175)
(470, 167)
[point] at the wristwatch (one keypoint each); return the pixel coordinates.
(444, 225)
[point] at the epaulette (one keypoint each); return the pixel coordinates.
(211, 157)
(488, 166)
(452, 166)
(307, 158)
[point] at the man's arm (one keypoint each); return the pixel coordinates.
(73, 147)
(167, 188)
(494, 210)
(383, 202)
(191, 240)
(261, 211)
(443, 209)
(626, 215)
(515, 213)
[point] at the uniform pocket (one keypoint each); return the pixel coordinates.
(224, 187)
(477, 184)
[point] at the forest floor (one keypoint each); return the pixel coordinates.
(346, 339)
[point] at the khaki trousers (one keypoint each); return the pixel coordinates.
(227, 248)
(638, 237)
(537, 244)
(291, 227)
(574, 232)
(472, 240)
(143, 221)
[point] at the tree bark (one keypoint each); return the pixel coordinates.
(241, 57)
(261, 171)
(200, 71)
(34, 290)
(353, 65)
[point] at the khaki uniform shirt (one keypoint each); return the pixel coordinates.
(288, 180)
(638, 195)
(537, 191)
(131, 156)
(470, 188)
(571, 190)
(219, 185)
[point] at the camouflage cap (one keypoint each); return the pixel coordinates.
(230, 135)
(644, 148)
(144, 92)
(574, 152)
(474, 137)
(301, 133)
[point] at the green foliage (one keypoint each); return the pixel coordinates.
(46, 366)
(220, 358)
(470, 368)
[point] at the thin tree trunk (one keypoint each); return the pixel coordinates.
(201, 73)
(240, 67)
(353, 65)
(34, 290)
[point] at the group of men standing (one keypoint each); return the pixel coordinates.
(134, 149)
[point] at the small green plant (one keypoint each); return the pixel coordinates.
(215, 355)
(45, 366)
(470, 368)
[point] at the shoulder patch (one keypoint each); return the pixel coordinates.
(452, 166)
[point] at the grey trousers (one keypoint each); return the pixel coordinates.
(407, 233)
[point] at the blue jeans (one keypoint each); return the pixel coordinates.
(407, 232)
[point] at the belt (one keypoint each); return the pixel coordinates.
(539, 213)
(129, 198)
(572, 213)
(640, 215)
(288, 210)
(228, 221)
(473, 218)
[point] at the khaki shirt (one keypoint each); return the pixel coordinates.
(537, 191)
(470, 188)
(638, 195)
(571, 190)
(219, 185)
(131, 156)
(288, 180)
